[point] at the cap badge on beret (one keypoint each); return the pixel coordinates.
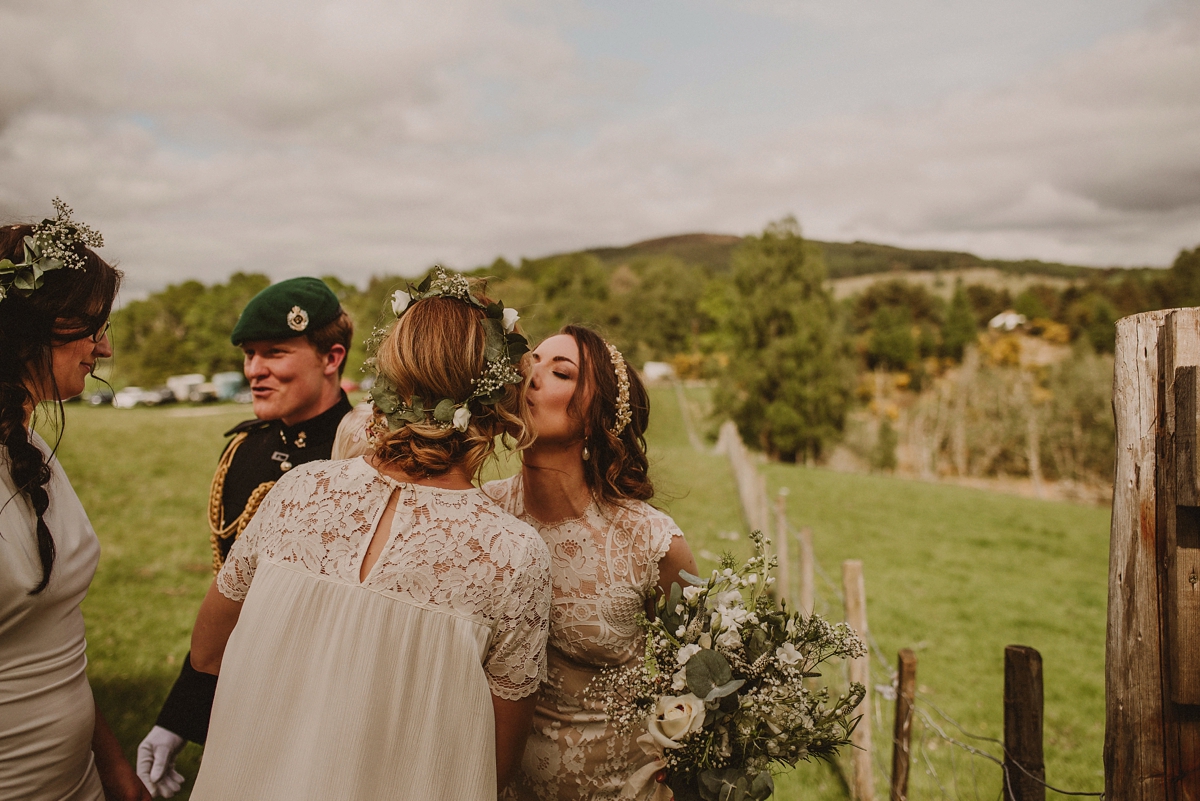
(297, 319)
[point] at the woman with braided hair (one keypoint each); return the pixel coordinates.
(55, 298)
(584, 486)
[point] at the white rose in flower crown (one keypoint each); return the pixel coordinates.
(510, 320)
(674, 718)
(462, 418)
(679, 680)
(400, 301)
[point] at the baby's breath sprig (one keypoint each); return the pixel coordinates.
(54, 244)
(503, 349)
(723, 690)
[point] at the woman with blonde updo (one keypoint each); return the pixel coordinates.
(379, 629)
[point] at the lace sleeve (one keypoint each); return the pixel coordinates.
(659, 532)
(516, 662)
(233, 581)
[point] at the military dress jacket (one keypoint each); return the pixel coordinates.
(259, 452)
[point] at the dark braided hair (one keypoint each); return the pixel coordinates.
(71, 304)
(618, 469)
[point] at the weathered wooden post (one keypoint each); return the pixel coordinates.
(1024, 770)
(906, 690)
(855, 592)
(1152, 670)
(782, 550)
(808, 589)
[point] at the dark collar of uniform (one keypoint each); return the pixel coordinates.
(322, 427)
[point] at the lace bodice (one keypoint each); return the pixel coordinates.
(605, 567)
(451, 551)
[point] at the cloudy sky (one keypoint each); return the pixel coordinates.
(363, 137)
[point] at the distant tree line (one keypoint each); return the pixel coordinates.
(756, 315)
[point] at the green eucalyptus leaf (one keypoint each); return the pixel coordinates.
(493, 347)
(518, 346)
(444, 412)
(25, 279)
(723, 690)
(412, 416)
(31, 246)
(417, 404)
(706, 671)
(762, 787)
(495, 311)
(693, 580)
(7, 266)
(757, 644)
(423, 287)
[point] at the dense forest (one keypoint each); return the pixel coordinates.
(902, 374)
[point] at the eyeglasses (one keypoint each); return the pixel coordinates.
(100, 334)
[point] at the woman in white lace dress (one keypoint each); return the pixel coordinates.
(584, 486)
(379, 629)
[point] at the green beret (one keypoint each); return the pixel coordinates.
(287, 309)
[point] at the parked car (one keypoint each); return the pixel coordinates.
(182, 385)
(132, 396)
(100, 397)
(203, 393)
(244, 396)
(159, 395)
(227, 384)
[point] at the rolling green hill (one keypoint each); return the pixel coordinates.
(843, 259)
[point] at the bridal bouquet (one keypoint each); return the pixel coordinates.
(722, 690)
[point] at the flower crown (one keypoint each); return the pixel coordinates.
(51, 246)
(503, 349)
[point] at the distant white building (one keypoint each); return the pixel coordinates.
(657, 371)
(1006, 321)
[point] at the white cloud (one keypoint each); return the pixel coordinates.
(369, 137)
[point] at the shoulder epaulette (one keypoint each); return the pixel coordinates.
(247, 425)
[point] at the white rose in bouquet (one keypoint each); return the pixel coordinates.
(686, 653)
(674, 718)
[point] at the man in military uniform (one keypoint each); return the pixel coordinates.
(295, 336)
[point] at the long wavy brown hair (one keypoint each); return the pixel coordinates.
(618, 469)
(435, 351)
(71, 304)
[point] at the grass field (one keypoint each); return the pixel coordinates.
(954, 573)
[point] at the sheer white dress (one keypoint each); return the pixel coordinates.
(605, 567)
(47, 715)
(381, 689)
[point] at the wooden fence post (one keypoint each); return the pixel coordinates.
(1024, 771)
(808, 587)
(1152, 720)
(855, 592)
(783, 588)
(906, 688)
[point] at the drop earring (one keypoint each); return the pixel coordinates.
(586, 453)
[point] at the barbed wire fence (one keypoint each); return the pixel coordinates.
(931, 734)
(974, 767)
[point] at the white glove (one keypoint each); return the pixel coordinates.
(156, 762)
